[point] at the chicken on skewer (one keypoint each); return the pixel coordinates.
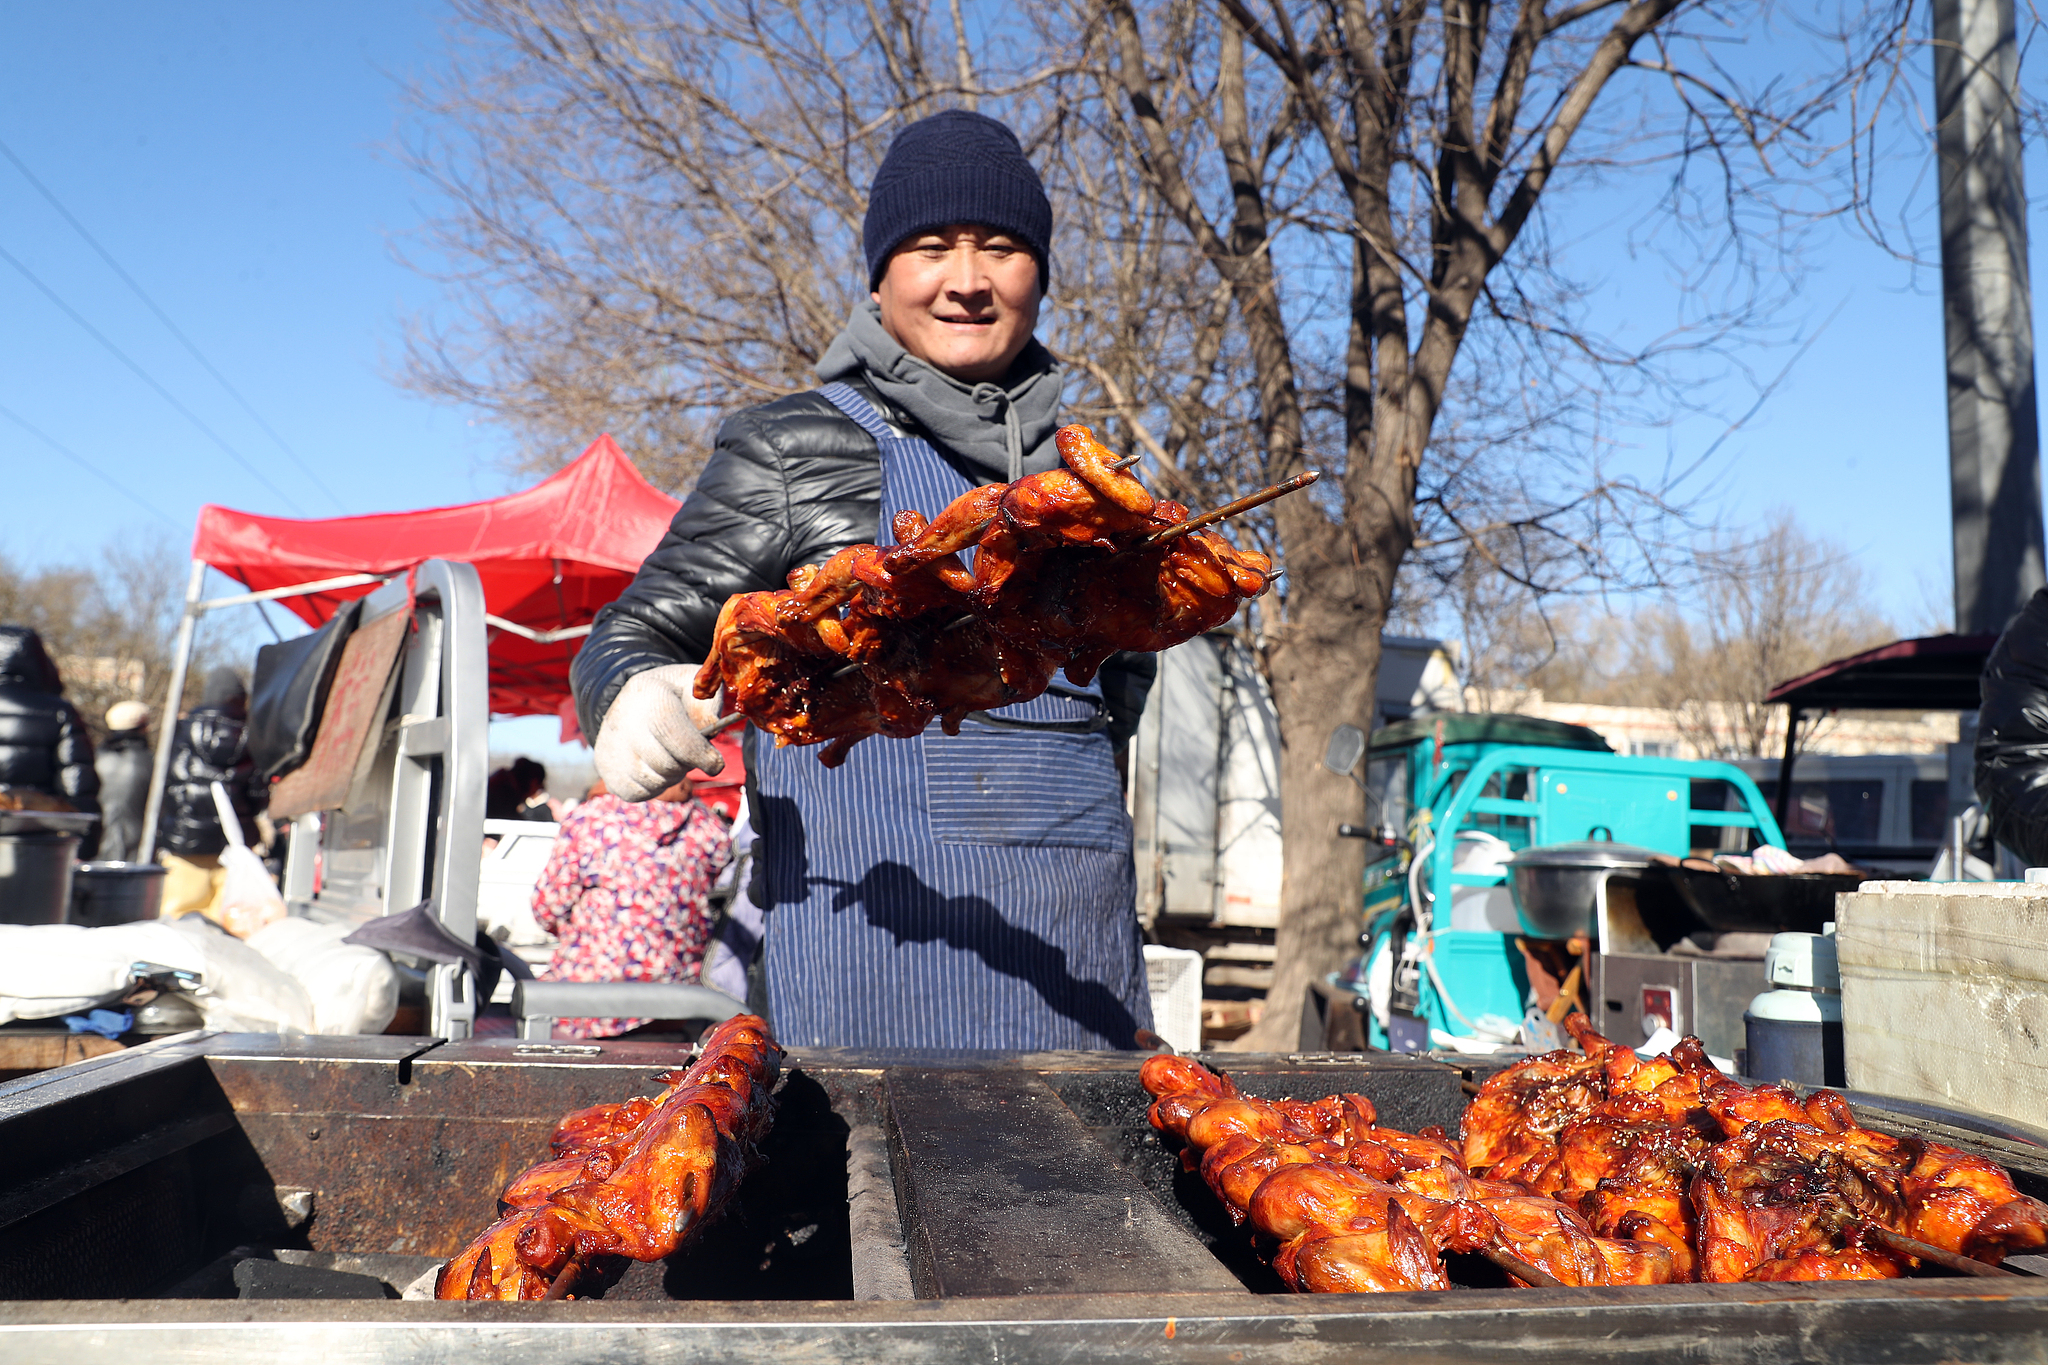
(1786, 1199)
(1092, 502)
(778, 669)
(633, 1181)
(1318, 1178)
(1741, 1182)
(881, 641)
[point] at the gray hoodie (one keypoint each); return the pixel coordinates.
(1004, 430)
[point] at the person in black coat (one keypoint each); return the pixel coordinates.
(937, 375)
(124, 769)
(2012, 735)
(44, 745)
(208, 747)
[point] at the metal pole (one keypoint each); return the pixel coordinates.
(1784, 793)
(181, 659)
(1994, 429)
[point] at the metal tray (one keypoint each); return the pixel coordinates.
(1734, 902)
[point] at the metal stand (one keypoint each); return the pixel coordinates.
(412, 827)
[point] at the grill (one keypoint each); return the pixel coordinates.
(911, 1207)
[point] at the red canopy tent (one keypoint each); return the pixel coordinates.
(549, 557)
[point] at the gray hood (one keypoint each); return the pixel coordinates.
(1002, 429)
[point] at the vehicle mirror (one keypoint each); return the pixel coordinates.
(1346, 747)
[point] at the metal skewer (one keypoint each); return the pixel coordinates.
(1126, 462)
(722, 724)
(1521, 1269)
(1968, 1265)
(1231, 509)
(565, 1281)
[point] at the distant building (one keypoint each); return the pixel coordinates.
(1656, 732)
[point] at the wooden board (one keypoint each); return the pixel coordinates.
(1945, 995)
(23, 1053)
(350, 724)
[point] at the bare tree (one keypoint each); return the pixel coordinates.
(111, 623)
(1406, 148)
(1767, 608)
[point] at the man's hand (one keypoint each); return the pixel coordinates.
(652, 735)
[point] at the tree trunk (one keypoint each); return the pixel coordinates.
(1323, 874)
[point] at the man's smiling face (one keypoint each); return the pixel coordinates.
(963, 299)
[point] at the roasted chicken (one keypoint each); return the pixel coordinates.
(631, 1181)
(1598, 1167)
(1348, 1205)
(1737, 1182)
(884, 642)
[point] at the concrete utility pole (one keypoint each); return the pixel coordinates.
(1994, 436)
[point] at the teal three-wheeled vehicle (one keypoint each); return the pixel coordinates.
(1453, 797)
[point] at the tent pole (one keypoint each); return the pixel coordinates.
(1784, 793)
(181, 660)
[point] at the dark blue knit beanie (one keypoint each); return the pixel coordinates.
(955, 167)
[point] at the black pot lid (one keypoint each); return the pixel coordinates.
(1588, 853)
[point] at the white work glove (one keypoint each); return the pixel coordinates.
(653, 734)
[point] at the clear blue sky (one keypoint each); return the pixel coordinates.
(227, 155)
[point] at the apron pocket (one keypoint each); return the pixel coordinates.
(990, 786)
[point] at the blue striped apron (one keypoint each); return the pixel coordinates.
(971, 891)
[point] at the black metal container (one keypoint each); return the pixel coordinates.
(105, 893)
(1808, 1052)
(1735, 902)
(35, 877)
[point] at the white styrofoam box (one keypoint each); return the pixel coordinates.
(1174, 976)
(504, 892)
(1945, 993)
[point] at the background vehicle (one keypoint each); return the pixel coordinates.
(1454, 796)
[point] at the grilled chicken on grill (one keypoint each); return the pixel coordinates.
(1798, 1198)
(882, 642)
(1738, 1182)
(1355, 1206)
(631, 1181)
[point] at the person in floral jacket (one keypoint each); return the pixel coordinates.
(624, 894)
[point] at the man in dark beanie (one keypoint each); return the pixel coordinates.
(208, 747)
(969, 891)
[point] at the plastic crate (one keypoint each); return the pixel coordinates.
(1174, 976)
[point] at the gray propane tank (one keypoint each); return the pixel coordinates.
(1795, 1028)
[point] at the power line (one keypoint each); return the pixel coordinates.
(88, 466)
(146, 378)
(172, 327)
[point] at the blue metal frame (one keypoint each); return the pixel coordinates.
(1466, 800)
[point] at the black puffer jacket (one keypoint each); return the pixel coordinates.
(789, 483)
(2012, 735)
(208, 748)
(43, 743)
(124, 769)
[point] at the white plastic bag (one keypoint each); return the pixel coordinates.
(352, 989)
(244, 991)
(48, 970)
(249, 899)
(52, 969)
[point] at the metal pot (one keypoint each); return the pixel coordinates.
(35, 877)
(1557, 888)
(116, 893)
